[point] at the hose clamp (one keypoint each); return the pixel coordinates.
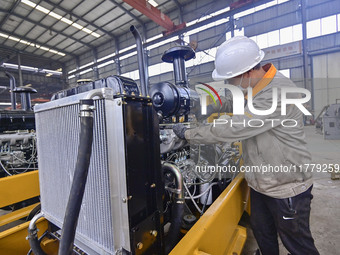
(86, 108)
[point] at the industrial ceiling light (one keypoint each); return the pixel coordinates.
(153, 3)
(31, 44)
(63, 19)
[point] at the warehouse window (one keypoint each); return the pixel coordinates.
(297, 33)
(313, 28)
(228, 35)
(286, 35)
(237, 32)
(202, 57)
(134, 75)
(190, 23)
(323, 26)
(262, 40)
(159, 69)
(285, 72)
(106, 63)
(106, 57)
(273, 38)
(85, 71)
(259, 8)
(127, 48)
(156, 45)
(328, 25)
(279, 37)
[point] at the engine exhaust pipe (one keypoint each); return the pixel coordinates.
(141, 61)
(12, 86)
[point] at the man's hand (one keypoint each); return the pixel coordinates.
(179, 129)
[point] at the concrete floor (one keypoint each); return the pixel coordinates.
(325, 213)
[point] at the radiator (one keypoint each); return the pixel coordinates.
(114, 217)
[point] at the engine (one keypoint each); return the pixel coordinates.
(145, 186)
(199, 165)
(18, 152)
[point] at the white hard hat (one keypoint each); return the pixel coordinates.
(236, 56)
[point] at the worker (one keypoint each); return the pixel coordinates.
(280, 200)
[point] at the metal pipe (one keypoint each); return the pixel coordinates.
(33, 235)
(12, 86)
(167, 167)
(26, 101)
(180, 72)
(141, 61)
(174, 234)
(19, 71)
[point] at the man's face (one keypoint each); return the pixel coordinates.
(238, 81)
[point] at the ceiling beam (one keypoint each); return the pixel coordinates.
(8, 57)
(79, 18)
(18, 1)
(15, 51)
(151, 12)
(11, 10)
(35, 42)
(22, 21)
(56, 34)
(119, 5)
(46, 27)
(154, 14)
(177, 4)
(71, 35)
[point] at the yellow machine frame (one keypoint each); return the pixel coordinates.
(216, 233)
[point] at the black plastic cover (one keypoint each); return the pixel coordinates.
(119, 84)
(170, 100)
(11, 120)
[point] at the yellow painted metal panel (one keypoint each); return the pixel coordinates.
(16, 188)
(13, 241)
(214, 233)
(16, 215)
(238, 242)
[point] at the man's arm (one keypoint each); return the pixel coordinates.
(239, 127)
(227, 106)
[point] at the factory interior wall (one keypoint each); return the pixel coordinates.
(326, 80)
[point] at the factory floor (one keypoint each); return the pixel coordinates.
(325, 213)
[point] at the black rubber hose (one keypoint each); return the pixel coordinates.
(174, 234)
(79, 179)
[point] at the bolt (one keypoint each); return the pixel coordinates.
(139, 246)
(153, 233)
